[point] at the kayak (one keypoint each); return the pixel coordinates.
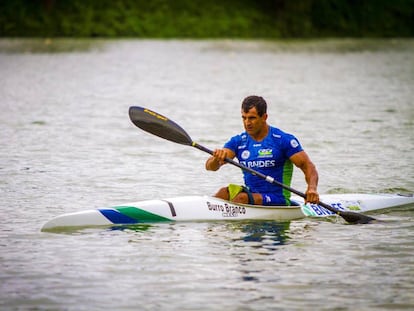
(207, 208)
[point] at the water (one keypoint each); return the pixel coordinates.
(67, 145)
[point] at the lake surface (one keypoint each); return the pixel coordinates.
(67, 145)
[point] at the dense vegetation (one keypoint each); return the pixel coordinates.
(207, 19)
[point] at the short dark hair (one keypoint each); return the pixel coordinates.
(254, 101)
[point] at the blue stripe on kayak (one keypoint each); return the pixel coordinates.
(116, 217)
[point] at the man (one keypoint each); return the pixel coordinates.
(268, 150)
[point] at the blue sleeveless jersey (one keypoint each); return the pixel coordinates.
(270, 157)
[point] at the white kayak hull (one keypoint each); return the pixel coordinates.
(206, 208)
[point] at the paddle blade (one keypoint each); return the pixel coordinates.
(158, 125)
(351, 217)
(356, 218)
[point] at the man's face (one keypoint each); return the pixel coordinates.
(253, 123)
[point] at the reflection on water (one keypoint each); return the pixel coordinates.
(263, 238)
(136, 227)
(96, 229)
(312, 46)
(267, 234)
(262, 234)
(61, 45)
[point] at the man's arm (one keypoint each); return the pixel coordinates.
(301, 160)
(217, 160)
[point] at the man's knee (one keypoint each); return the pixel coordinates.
(223, 193)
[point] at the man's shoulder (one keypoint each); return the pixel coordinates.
(241, 136)
(236, 140)
(289, 141)
(278, 133)
(282, 136)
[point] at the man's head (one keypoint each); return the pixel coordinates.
(254, 116)
(254, 101)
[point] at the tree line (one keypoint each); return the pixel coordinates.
(270, 19)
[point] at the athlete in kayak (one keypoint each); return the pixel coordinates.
(268, 150)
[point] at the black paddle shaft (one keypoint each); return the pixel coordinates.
(165, 128)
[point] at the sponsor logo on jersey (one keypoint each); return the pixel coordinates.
(259, 163)
(245, 154)
(294, 143)
(265, 153)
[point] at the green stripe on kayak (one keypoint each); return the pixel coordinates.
(140, 215)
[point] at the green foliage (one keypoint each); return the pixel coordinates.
(207, 19)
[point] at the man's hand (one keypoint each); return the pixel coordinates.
(219, 156)
(312, 196)
(217, 159)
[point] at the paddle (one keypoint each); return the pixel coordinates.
(163, 127)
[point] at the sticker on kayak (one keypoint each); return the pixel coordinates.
(314, 210)
(227, 210)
